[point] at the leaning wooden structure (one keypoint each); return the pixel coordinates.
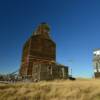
(39, 57)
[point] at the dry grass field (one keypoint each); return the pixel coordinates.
(81, 89)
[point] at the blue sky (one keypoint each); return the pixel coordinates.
(75, 27)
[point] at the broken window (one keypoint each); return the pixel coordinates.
(50, 69)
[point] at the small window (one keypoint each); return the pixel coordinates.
(49, 68)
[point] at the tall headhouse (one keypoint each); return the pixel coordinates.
(96, 62)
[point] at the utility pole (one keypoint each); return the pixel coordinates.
(71, 72)
(70, 69)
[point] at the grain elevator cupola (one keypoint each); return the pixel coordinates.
(43, 30)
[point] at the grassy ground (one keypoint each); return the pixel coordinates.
(81, 89)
